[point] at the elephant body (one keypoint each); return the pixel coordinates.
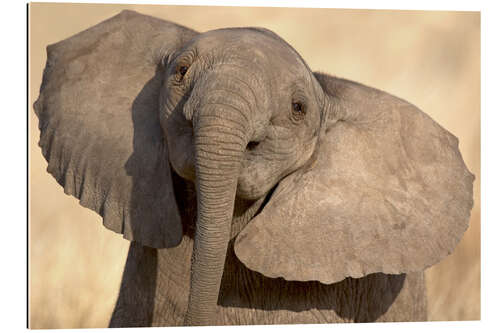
(155, 290)
(253, 190)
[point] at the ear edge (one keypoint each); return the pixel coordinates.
(114, 214)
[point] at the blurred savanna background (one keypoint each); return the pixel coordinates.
(431, 59)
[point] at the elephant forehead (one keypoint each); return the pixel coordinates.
(257, 44)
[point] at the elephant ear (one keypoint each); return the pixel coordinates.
(100, 129)
(388, 192)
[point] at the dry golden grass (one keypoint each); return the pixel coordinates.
(428, 58)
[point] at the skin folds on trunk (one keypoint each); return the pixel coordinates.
(219, 146)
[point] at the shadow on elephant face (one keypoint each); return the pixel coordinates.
(148, 169)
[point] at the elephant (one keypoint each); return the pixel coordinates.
(252, 189)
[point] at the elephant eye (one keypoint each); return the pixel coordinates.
(182, 70)
(298, 110)
(297, 107)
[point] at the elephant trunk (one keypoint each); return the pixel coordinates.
(220, 140)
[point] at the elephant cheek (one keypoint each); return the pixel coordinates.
(180, 144)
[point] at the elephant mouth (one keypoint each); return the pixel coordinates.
(244, 209)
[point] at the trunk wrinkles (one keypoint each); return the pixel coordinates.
(219, 146)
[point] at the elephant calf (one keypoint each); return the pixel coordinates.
(253, 190)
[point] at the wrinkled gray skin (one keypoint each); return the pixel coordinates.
(231, 120)
(243, 119)
(212, 113)
(155, 292)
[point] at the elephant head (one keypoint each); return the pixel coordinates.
(339, 179)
